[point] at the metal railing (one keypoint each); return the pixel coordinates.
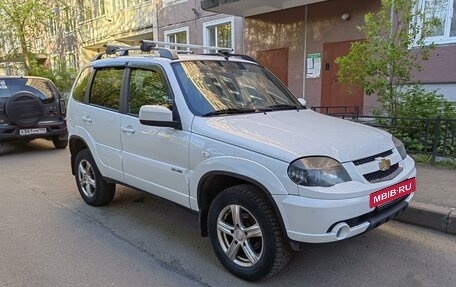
(435, 137)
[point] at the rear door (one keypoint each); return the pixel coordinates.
(101, 119)
(155, 159)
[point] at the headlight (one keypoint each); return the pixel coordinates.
(400, 147)
(317, 171)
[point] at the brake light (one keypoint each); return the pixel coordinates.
(62, 106)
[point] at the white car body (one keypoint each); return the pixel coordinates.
(171, 163)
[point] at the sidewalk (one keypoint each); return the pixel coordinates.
(434, 203)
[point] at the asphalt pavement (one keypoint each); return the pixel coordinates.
(434, 203)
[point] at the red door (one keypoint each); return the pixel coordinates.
(276, 61)
(333, 94)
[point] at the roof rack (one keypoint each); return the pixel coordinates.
(164, 51)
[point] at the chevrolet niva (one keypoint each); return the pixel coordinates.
(31, 108)
(220, 135)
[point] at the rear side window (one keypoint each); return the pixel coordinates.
(39, 87)
(106, 85)
(81, 84)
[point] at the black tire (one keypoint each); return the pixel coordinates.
(59, 143)
(24, 109)
(268, 251)
(93, 188)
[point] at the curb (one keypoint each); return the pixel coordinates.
(430, 216)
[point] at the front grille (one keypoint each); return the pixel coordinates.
(379, 175)
(372, 158)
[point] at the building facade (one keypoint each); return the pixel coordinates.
(299, 41)
(79, 29)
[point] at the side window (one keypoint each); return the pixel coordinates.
(81, 84)
(106, 86)
(147, 87)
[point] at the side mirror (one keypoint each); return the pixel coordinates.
(302, 101)
(159, 116)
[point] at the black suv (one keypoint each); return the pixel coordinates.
(30, 108)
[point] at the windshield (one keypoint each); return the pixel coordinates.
(228, 87)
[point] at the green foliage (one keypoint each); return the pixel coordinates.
(425, 121)
(383, 63)
(61, 75)
(23, 20)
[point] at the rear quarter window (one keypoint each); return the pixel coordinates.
(81, 83)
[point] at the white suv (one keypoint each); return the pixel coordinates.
(220, 134)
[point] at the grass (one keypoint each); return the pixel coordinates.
(442, 162)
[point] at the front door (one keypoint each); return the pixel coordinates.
(276, 61)
(155, 159)
(333, 94)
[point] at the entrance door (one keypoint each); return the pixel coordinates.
(332, 92)
(276, 61)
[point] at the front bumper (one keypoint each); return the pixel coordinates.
(326, 220)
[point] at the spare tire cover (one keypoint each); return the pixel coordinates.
(24, 109)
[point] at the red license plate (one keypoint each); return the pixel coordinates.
(393, 192)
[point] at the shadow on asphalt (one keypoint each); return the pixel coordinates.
(34, 146)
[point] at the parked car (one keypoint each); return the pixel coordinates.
(30, 108)
(221, 135)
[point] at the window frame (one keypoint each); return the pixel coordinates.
(449, 14)
(95, 71)
(168, 33)
(127, 86)
(218, 22)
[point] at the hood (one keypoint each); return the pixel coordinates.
(288, 135)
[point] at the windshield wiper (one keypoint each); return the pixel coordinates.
(284, 107)
(230, 112)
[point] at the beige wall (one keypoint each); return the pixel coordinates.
(282, 29)
(287, 28)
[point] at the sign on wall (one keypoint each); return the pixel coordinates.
(313, 66)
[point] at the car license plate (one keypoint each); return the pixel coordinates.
(393, 192)
(36, 131)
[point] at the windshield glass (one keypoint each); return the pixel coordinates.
(228, 87)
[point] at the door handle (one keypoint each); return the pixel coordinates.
(87, 119)
(127, 130)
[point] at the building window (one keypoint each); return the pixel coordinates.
(52, 26)
(71, 61)
(123, 4)
(219, 33)
(177, 36)
(39, 45)
(90, 9)
(445, 11)
(68, 20)
(167, 3)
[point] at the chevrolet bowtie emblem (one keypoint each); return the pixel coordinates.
(383, 163)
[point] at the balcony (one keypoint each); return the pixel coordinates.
(246, 8)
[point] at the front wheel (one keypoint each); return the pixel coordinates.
(245, 233)
(91, 184)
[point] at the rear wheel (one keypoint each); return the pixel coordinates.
(59, 143)
(245, 233)
(92, 187)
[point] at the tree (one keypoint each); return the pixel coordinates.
(22, 21)
(394, 48)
